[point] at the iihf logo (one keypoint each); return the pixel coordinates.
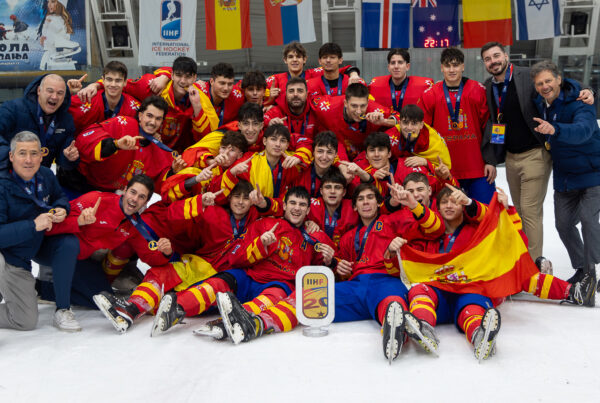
(170, 19)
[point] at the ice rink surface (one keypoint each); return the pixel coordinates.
(545, 353)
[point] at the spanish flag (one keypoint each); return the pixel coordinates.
(485, 21)
(495, 263)
(227, 24)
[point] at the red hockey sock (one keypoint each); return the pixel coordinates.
(267, 298)
(547, 286)
(113, 266)
(423, 303)
(280, 317)
(469, 319)
(383, 305)
(199, 298)
(146, 296)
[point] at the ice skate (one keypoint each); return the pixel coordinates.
(120, 313)
(169, 313)
(393, 331)
(421, 332)
(544, 265)
(215, 329)
(484, 338)
(583, 292)
(240, 324)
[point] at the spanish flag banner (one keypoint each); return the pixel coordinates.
(485, 21)
(495, 263)
(437, 148)
(227, 24)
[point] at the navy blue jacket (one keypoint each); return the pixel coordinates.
(19, 241)
(21, 114)
(575, 145)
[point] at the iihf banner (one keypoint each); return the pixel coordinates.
(42, 35)
(538, 20)
(167, 30)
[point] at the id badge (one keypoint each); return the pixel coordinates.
(498, 131)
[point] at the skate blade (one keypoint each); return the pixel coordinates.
(159, 323)
(105, 306)
(209, 331)
(491, 324)
(395, 318)
(425, 342)
(225, 308)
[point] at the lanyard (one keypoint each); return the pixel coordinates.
(392, 173)
(313, 182)
(359, 248)
(331, 221)
(277, 187)
(107, 112)
(38, 186)
(221, 108)
(289, 76)
(312, 241)
(501, 98)
(403, 87)
(45, 134)
(362, 125)
(453, 112)
(451, 240)
(158, 143)
(328, 88)
(238, 229)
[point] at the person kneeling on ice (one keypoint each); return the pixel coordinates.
(453, 298)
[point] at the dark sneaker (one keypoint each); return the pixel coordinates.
(421, 332)
(169, 314)
(215, 329)
(544, 265)
(484, 338)
(240, 324)
(393, 331)
(119, 312)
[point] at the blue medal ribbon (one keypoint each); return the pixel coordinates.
(360, 247)
(501, 98)
(277, 182)
(38, 187)
(313, 182)
(157, 142)
(403, 87)
(45, 133)
(328, 87)
(238, 229)
(331, 221)
(453, 112)
(451, 240)
(107, 112)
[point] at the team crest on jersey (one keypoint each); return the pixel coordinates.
(170, 127)
(324, 105)
(315, 202)
(462, 122)
(228, 5)
(429, 83)
(237, 93)
(378, 226)
(135, 105)
(285, 249)
(122, 120)
(394, 141)
(135, 168)
(84, 108)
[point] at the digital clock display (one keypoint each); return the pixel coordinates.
(436, 43)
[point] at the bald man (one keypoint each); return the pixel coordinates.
(42, 110)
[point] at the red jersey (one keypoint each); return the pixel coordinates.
(464, 141)
(310, 181)
(227, 110)
(384, 92)
(281, 260)
(110, 230)
(87, 113)
(342, 221)
(320, 86)
(302, 128)
(114, 171)
(365, 245)
(351, 136)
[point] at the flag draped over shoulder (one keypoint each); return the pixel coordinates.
(435, 24)
(289, 20)
(495, 263)
(227, 24)
(538, 19)
(385, 24)
(437, 148)
(485, 21)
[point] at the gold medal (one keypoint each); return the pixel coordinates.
(175, 154)
(153, 245)
(455, 125)
(45, 151)
(52, 211)
(317, 247)
(362, 117)
(499, 117)
(547, 145)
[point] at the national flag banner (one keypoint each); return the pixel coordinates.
(289, 20)
(435, 23)
(538, 19)
(485, 21)
(227, 24)
(167, 31)
(385, 24)
(495, 263)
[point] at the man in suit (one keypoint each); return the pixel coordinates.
(510, 93)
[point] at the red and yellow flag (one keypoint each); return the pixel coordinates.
(227, 24)
(495, 263)
(485, 21)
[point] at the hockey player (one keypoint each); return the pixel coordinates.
(332, 82)
(352, 118)
(107, 103)
(325, 152)
(457, 108)
(115, 150)
(398, 89)
(253, 86)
